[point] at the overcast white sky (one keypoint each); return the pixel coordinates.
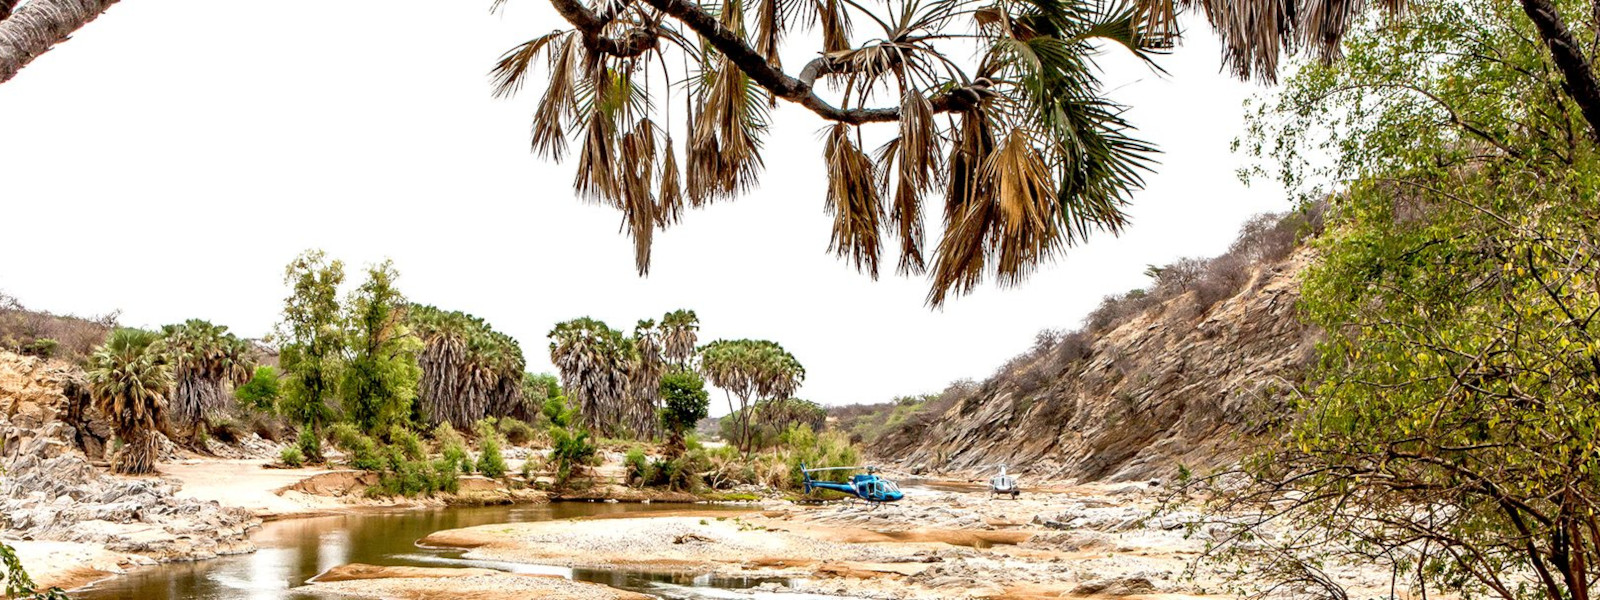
(173, 156)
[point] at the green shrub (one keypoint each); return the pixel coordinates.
(570, 448)
(453, 447)
(359, 450)
(517, 432)
(490, 462)
(309, 445)
(262, 391)
(42, 348)
(408, 442)
(292, 456)
(831, 448)
(638, 467)
(679, 473)
(445, 476)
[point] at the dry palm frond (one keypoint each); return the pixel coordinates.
(511, 71)
(853, 200)
(670, 200)
(917, 168)
(1027, 205)
(636, 187)
(559, 106)
(959, 261)
(835, 25)
(724, 157)
(596, 179)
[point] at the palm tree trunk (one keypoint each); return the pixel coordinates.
(138, 455)
(33, 28)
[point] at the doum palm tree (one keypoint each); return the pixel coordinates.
(680, 332)
(750, 370)
(207, 363)
(469, 370)
(129, 378)
(594, 362)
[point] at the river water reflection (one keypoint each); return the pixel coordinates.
(292, 551)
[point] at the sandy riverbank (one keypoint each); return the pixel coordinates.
(242, 485)
(422, 583)
(932, 545)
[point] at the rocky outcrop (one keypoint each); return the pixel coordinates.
(49, 490)
(1172, 385)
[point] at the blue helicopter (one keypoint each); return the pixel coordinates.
(866, 486)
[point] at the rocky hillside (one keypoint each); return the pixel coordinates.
(51, 490)
(1181, 374)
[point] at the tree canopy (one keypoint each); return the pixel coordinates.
(1450, 430)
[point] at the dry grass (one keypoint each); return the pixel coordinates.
(24, 331)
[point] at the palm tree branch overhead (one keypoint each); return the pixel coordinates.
(29, 29)
(613, 75)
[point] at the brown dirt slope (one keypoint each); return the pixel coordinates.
(1172, 384)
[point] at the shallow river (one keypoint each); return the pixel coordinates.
(292, 551)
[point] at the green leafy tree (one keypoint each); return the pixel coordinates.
(262, 391)
(207, 363)
(490, 462)
(769, 419)
(312, 334)
(685, 402)
(1449, 432)
(750, 370)
(539, 387)
(381, 377)
(129, 378)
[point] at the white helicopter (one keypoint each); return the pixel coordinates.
(1003, 484)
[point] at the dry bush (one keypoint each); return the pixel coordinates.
(1178, 277)
(75, 337)
(1225, 276)
(1072, 348)
(1115, 310)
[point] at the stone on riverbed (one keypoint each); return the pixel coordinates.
(422, 583)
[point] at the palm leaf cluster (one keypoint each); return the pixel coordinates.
(207, 363)
(750, 370)
(469, 370)
(129, 379)
(614, 379)
(595, 362)
(680, 332)
(1022, 144)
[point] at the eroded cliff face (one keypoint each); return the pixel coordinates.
(1172, 385)
(50, 490)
